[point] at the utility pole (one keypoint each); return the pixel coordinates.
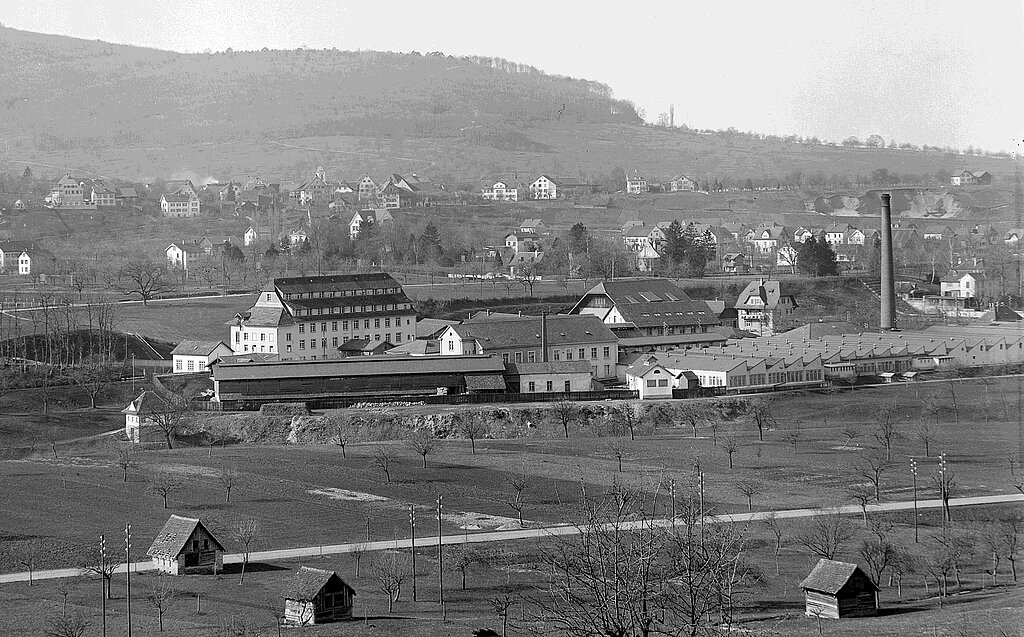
(128, 572)
(440, 557)
(412, 544)
(913, 472)
(672, 499)
(103, 584)
(942, 487)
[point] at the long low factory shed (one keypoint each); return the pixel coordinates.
(255, 383)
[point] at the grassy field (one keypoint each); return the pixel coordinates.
(289, 490)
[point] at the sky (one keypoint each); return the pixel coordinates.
(939, 72)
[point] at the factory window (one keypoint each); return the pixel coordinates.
(519, 357)
(334, 326)
(533, 386)
(263, 336)
(451, 345)
(387, 322)
(237, 336)
(398, 337)
(312, 328)
(568, 354)
(550, 386)
(504, 357)
(323, 327)
(568, 387)
(532, 357)
(583, 353)
(366, 324)
(245, 337)
(288, 349)
(607, 352)
(302, 328)
(376, 324)
(558, 354)
(653, 382)
(334, 342)
(288, 336)
(302, 344)
(593, 352)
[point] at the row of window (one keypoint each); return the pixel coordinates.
(657, 382)
(332, 294)
(351, 309)
(263, 348)
(548, 386)
(190, 367)
(355, 325)
(531, 356)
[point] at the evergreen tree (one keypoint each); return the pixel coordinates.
(817, 258)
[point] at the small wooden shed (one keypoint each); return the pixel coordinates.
(839, 589)
(186, 546)
(317, 597)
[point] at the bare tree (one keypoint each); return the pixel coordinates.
(901, 564)
(228, 478)
(168, 417)
(344, 431)
(247, 533)
(925, 435)
(384, 460)
(501, 604)
(861, 494)
(567, 414)
(29, 552)
(793, 435)
(771, 521)
(945, 482)
(872, 468)
(161, 596)
(762, 413)
(143, 276)
(125, 457)
(632, 418)
(749, 488)
(74, 626)
(730, 447)
(101, 566)
(93, 377)
(851, 433)
(422, 443)
(164, 483)
(473, 429)
(990, 534)
(695, 417)
(63, 589)
(886, 428)
(358, 550)
(714, 424)
(519, 483)
(616, 449)
(461, 557)
(390, 571)
(1013, 528)
(877, 556)
(825, 533)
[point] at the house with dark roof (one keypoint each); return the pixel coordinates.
(646, 307)
(184, 546)
(836, 590)
(763, 308)
(363, 347)
(192, 356)
(363, 219)
(140, 412)
(317, 597)
(551, 376)
(183, 254)
(964, 284)
(546, 187)
(310, 317)
(682, 183)
(536, 339)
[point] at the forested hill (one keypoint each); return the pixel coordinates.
(66, 93)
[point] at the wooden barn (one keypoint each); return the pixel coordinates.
(317, 597)
(839, 589)
(186, 546)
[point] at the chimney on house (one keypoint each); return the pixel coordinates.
(544, 337)
(888, 291)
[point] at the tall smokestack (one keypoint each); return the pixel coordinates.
(544, 337)
(888, 291)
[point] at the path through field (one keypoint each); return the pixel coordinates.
(524, 534)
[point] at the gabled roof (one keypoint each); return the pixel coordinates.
(830, 576)
(773, 290)
(526, 331)
(126, 192)
(176, 198)
(171, 540)
(148, 402)
(419, 347)
(549, 367)
(310, 581)
(190, 248)
(263, 317)
(197, 348)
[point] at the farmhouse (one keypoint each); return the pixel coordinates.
(762, 307)
(636, 184)
(179, 205)
(139, 413)
(839, 589)
(182, 254)
(197, 356)
(185, 547)
(682, 183)
(964, 285)
(365, 219)
(500, 191)
(546, 187)
(646, 308)
(310, 317)
(316, 597)
(253, 235)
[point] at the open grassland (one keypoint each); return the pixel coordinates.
(314, 495)
(174, 320)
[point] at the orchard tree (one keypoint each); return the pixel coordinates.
(143, 276)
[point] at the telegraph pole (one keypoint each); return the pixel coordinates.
(440, 556)
(913, 472)
(412, 543)
(128, 572)
(103, 584)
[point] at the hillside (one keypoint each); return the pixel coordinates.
(95, 108)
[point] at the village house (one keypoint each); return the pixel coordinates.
(968, 178)
(936, 232)
(521, 241)
(546, 187)
(964, 285)
(835, 234)
(536, 339)
(1013, 236)
(311, 317)
(652, 380)
(70, 192)
(126, 198)
(180, 187)
(763, 308)
(179, 205)
(252, 235)
(363, 219)
(182, 254)
(734, 263)
(139, 413)
(682, 183)
(767, 240)
(533, 226)
(197, 356)
(801, 234)
(638, 236)
(646, 259)
(500, 191)
(636, 184)
(366, 188)
(184, 546)
(102, 196)
(36, 261)
(836, 590)
(317, 597)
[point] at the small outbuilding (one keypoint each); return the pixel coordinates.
(837, 590)
(140, 413)
(186, 547)
(317, 597)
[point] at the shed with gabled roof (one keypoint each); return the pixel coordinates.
(186, 546)
(839, 589)
(317, 596)
(139, 412)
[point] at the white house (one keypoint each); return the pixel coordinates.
(181, 254)
(500, 191)
(252, 235)
(377, 216)
(636, 184)
(637, 236)
(197, 356)
(963, 285)
(762, 306)
(180, 205)
(652, 380)
(836, 234)
(522, 241)
(139, 413)
(546, 187)
(682, 183)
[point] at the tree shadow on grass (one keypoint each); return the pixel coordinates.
(251, 567)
